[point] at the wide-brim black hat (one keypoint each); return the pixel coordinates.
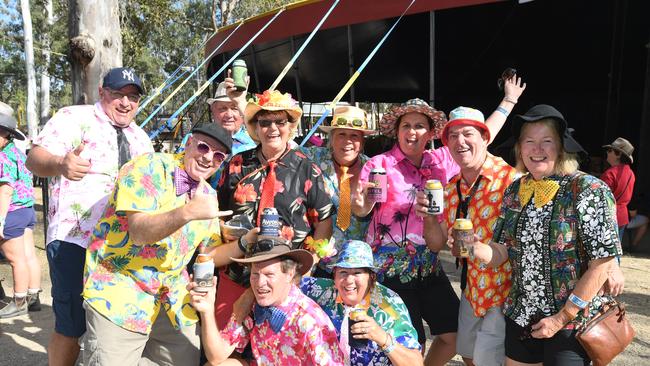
(544, 111)
(217, 132)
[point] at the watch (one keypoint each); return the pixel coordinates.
(242, 244)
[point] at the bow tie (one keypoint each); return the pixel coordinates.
(544, 191)
(184, 183)
(275, 316)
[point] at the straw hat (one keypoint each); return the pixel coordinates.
(270, 101)
(350, 118)
(388, 121)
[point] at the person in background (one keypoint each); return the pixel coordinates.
(384, 325)
(81, 149)
(558, 228)
(620, 178)
(341, 162)
(407, 264)
(638, 211)
(17, 220)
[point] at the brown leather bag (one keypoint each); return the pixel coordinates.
(606, 334)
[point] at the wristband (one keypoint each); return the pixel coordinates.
(389, 346)
(503, 111)
(506, 99)
(578, 301)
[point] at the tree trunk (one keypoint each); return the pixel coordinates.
(45, 75)
(95, 45)
(32, 122)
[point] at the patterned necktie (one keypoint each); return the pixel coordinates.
(123, 147)
(543, 190)
(268, 191)
(183, 183)
(343, 217)
(275, 316)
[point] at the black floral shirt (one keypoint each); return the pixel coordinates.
(549, 247)
(300, 195)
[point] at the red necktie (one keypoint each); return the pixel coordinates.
(268, 191)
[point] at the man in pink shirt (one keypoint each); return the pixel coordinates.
(285, 327)
(82, 148)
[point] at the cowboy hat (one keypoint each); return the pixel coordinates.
(417, 105)
(350, 118)
(267, 248)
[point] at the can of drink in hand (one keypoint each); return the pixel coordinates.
(270, 222)
(463, 232)
(435, 194)
(377, 192)
(203, 272)
(239, 72)
(354, 319)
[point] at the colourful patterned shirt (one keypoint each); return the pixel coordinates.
(14, 173)
(550, 247)
(300, 196)
(128, 283)
(76, 206)
(306, 338)
(486, 286)
(241, 141)
(358, 227)
(395, 232)
(384, 306)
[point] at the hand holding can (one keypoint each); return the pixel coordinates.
(463, 233)
(435, 194)
(203, 273)
(378, 191)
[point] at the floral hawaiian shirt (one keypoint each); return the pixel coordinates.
(550, 247)
(241, 141)
(301, 198)
(14, 173)
(306, 338)
(395, 232)
(486, 286)
(358, 227)
(128, 283)
(76, 206)
(384, 306)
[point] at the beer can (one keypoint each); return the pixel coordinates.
(463, 232)
(239, 72)
(203, 272)
(378, 191)
(270, 222)
(353, 319)
(435, 194)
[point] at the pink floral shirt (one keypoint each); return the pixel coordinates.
(75, 207)
(395, 232)
(306, 338)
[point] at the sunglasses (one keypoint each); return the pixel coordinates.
(135, 98)
(265, 245)
(342, 121)
(269, 122)
(506, 75)
(204, 148)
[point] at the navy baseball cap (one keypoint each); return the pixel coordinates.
(119, 77)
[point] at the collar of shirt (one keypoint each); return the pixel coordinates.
(101, 115)
(364, 304)
(490, 170)
(397, 156)
(242, 136)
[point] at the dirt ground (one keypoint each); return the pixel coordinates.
(23, 340)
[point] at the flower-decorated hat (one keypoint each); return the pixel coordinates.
(355, 254)
(388, 121)
(465, 116)
(351, 118)
(270, 101)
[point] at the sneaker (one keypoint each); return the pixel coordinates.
(2, 291)
(13, 309)
(33, 302)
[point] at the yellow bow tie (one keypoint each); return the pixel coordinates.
(544, 191)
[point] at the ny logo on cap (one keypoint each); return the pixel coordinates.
(128, 74)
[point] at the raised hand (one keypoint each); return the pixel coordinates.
(513, 88)
(73, 166)
(204, 204)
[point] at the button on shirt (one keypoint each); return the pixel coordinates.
(486, 286)
(395, 232)
(129, 284)
(76, 206)
(306, 338)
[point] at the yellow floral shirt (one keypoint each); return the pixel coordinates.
(128, 283)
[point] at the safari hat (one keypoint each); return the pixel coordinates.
(623, 146)
(350, 118)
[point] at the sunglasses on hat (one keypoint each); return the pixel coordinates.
(342, 121)
(204, 148)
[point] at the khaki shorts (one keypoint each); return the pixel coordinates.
(481, 339)
(105, 343)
